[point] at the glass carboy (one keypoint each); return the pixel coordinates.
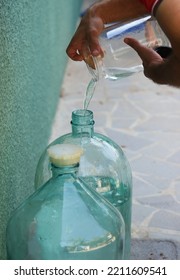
(103, 166)
(65, 219)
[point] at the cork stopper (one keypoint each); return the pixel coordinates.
(65, 154)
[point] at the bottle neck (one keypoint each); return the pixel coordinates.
(82, 123)
(70, 169)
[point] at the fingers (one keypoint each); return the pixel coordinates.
(73, 49)
(92, 36)
(85, 41)
(94, 46)
(152, 61)
(73, 54)
(81, 49)
(146, 54)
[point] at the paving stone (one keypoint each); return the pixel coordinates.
(177, 190)
(162, 184)
(175, 157)
(161, 201)
(158, 150)
(125, 109)
(143, 188)
(161, 106)
(155, 168)
(122, 123)
(161, 123)
(166, 220)
(169, 139)
(140, 213)
(131, 142)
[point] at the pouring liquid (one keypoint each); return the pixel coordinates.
(89, 93)
(96, 74)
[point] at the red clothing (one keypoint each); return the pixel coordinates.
(149, 4)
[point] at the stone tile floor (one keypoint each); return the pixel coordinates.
(144, 119)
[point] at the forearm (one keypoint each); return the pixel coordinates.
(117, 10)
(168, 16)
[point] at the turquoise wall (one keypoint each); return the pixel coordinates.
(33, 37)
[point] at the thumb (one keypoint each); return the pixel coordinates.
(146, 54)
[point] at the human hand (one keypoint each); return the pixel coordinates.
(161, 70)
(150, 58)
(85, 43)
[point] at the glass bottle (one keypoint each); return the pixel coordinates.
(65, 219)
(103, 166)
(120, 60)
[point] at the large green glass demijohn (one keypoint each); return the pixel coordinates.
(103, 166)
(65, 219)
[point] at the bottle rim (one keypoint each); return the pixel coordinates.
(82, 117)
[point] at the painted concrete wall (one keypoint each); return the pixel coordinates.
(33, 38)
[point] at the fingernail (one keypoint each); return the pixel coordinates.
(95, 52)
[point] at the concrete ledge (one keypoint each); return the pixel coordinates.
(154, 250)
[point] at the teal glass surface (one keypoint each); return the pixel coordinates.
(103, 166)
(65, 220)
